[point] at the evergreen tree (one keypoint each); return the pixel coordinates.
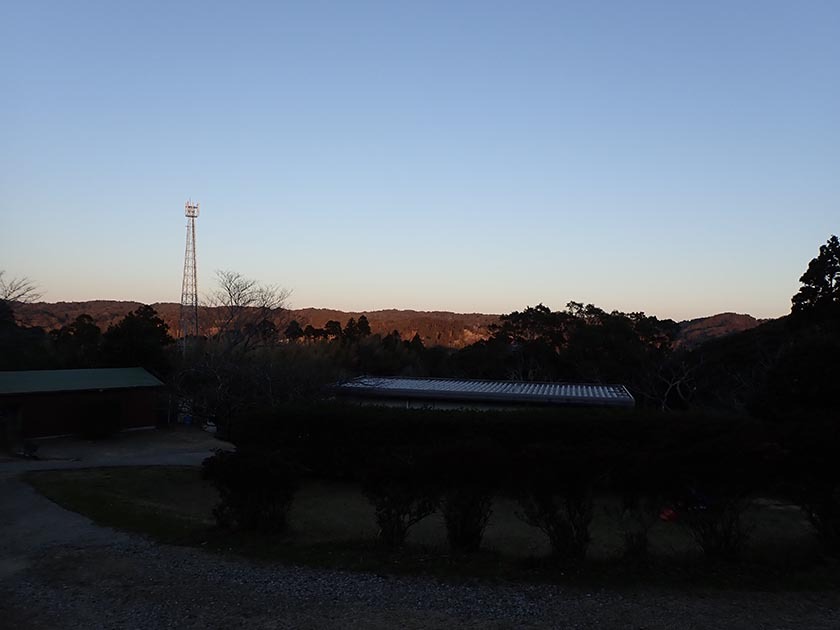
(293, 331)
(333, 329)
(138, 340)
(363, 326)
(351, 330)
(78, 343)
(820, 292)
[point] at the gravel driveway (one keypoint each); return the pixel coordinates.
(59, 570)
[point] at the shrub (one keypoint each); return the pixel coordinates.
(821, 504)
(564, 516)
(812, 476)
(466, 510)
(711, 490)
(400, 495)
(255, 487)
(635, 517)
(710, 469)
(555, 494)
(638, 481)
(717, 525)
(467, 473)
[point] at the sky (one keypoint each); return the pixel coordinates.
(677, 158)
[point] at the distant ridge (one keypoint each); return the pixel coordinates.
(436, 328)
(695, 332)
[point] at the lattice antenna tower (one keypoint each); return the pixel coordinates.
(188, 322)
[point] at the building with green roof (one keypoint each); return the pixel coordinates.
(42, 403)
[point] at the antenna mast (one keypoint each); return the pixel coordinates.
(188, 322)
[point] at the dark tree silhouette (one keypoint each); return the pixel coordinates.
(820, 291)
(580, 343)
(333, 329)
(363, 326)
(138, 340)
(535, 323)
(416, 343)
(351, 330)
(293, 331)
(240, 306)
(22, 347)
(78, 343)
(7, 315)
(265, 330)
(17, 290)
(13, 290)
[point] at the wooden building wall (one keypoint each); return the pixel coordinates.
(61, 413)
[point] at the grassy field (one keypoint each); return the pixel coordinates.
(332, 525)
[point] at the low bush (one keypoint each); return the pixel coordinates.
(717, 525)
(467, 473)
(564, 517)
(256, 489)
(812, 476)
(640, 481)
(635, 517)
(400, 493)
(466, 510)
(711, 487)
(554, 488)
(821, 504)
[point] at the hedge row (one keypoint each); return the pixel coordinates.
(553, 462)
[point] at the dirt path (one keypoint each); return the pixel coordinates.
(59, 570)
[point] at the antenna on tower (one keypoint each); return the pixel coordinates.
(188, 322)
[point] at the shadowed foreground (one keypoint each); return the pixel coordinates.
(61, 571)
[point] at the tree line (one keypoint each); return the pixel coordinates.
(248, 362)
(758, 417)
(755, 412)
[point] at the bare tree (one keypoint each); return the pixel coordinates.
(18, 290)
(233, 369)
(667, 380)
(243, 307)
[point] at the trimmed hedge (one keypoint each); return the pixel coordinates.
(705, 468)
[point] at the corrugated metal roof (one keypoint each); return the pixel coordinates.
(43, 381)
(488, 391)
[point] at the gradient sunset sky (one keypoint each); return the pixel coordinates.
(681, 158)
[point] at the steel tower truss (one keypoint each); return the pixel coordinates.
(188, 322)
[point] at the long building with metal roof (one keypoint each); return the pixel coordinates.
(449, 392)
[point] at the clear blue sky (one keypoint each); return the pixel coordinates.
(681, 158)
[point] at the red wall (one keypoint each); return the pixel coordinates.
(61, 413)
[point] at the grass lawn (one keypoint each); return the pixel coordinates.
(332, 525)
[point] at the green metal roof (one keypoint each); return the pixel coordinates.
(43, 381)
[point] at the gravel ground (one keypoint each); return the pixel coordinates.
(59, 570)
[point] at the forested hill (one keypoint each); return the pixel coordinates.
(443, 328)
(695, 332)
(436, 328)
